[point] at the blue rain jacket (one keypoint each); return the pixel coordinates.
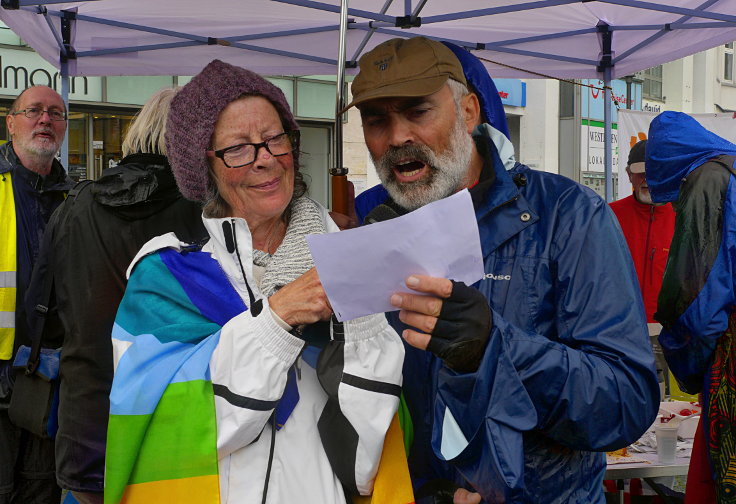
(568, 372)
(692, 167)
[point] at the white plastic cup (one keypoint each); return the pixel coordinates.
(666, 442)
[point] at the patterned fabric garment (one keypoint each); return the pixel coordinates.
(292, 258)
(722, 415)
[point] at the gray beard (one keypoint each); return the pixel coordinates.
(644, 197)
(43, 151)
(445, 175)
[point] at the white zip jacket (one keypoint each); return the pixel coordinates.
(249, 373)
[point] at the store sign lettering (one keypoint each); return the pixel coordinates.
(511, 91)
(592, 147)
(19, 78)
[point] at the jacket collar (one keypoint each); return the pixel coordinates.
(646, 208)
(502, 198)
(231, 244)
(56, 180)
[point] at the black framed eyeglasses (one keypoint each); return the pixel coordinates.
(36, 112)
(244, 154)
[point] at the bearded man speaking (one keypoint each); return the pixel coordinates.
(517, 384)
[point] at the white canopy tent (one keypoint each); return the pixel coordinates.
(602, 39)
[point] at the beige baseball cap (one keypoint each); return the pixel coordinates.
(400, 67)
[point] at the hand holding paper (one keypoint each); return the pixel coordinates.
(361, 268)
(453, 320)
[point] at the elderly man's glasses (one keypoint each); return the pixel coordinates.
(36, 112)
(244, 154)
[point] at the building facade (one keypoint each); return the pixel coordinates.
(555, 126)
(700, 83)
(101, 109)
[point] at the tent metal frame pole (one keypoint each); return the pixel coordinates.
(607, 130)
(368, 35)
(65, 97)
(66, 52)
(475, 45)
(339, 169)
(606, 68)
(675, 25)
(334, 8)
(539, 4)
(696, 13)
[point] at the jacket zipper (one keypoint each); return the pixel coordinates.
(648, 254)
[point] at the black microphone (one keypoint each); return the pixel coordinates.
(380, 213)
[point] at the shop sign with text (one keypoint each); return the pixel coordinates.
(592, 136)
(592, 98)
(22, 69)
(511, 91)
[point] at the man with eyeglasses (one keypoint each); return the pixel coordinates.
(32, 184)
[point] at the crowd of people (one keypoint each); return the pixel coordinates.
(201, 361)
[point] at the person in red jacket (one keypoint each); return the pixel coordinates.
(648, 229)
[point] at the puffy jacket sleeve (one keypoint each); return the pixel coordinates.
(361, 372)
(249, 370)
(697, 290)
(589, 384)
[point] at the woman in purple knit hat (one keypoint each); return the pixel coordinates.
(228, 346)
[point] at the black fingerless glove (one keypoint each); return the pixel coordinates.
(462, 330)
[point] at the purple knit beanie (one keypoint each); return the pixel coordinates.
(194, 112)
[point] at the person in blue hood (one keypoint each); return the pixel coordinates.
(694, 169)
(517, 384)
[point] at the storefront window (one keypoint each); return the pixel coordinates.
(652, 82)
(77, 128)
(4, 137)
(107, 140)
(728, 62)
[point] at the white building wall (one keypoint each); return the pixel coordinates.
(695, 84)
(539, 125)
(677, 85)
(704, 86)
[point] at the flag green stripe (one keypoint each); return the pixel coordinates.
(165, 453)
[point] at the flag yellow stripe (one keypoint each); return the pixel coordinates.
(197, 490)
(393, 483)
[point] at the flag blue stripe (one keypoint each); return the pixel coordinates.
(147, 367)
(205, 283)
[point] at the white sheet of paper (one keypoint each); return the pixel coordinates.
(360, 268)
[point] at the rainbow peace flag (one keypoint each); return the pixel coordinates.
(162, 435)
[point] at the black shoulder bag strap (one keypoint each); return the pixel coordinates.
(36, 333)
(41, 309)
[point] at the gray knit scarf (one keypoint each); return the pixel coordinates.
(292, 259)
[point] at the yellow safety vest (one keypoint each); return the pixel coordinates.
(8, 267)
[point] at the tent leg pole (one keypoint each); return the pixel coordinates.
(607, 120)
(65, 97)
(339, 173)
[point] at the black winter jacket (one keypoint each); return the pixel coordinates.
(89, 243)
